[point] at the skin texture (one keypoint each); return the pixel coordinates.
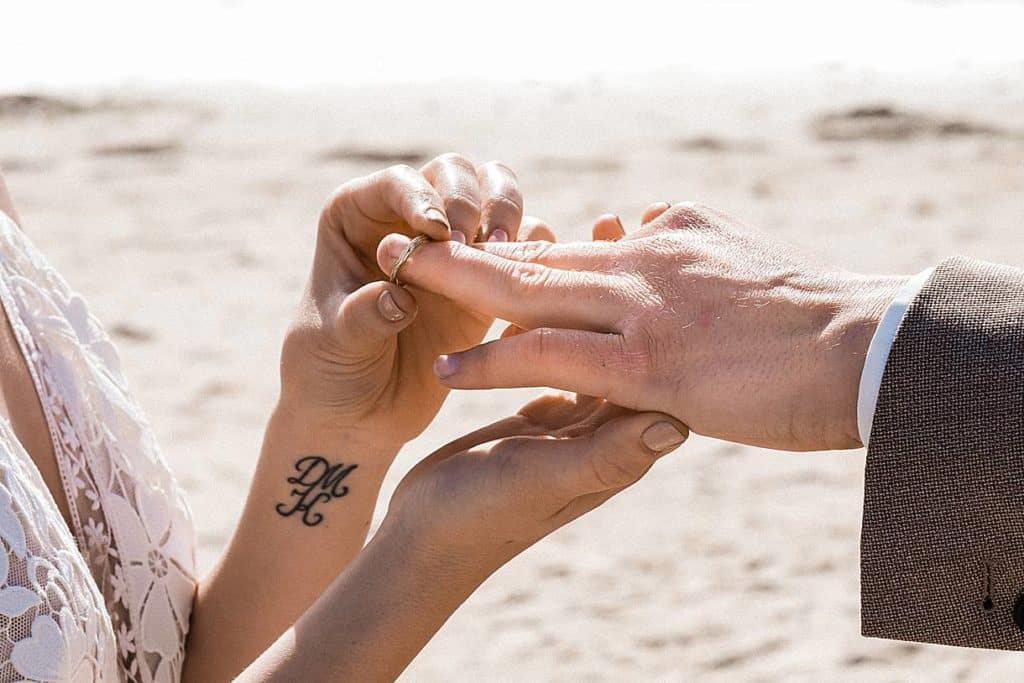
(696, 315)
(356, 384)
(458, 516)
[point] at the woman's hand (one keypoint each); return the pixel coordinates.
(358, 357)
(695, 315)
(456, 518)
(484, 498)
(356, 384)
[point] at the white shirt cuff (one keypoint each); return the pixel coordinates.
(878, 352)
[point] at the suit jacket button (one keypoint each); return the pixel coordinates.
(1018, 612)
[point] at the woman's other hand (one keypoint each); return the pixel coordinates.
(456, 518)
(486, 497)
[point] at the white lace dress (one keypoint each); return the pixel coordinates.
(109, 599)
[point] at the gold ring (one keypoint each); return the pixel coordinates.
(413, 245)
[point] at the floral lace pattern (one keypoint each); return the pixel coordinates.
(133, 529)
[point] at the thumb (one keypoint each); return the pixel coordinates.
(623, 449)
(371, 315)
(614, 456)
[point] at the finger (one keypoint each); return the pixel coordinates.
(565, 414)
(533, 229)
(653, 211)
(588, 363)
(557, 410)
(399, 193)
(513, 426)
(607, 228)
(501, 210)
(549, 414)
(455, 179)
(526, 294)
(691, 216)
(610, 458)
(371, 315)
(596, 256)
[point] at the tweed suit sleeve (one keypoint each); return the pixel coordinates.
(942, 545)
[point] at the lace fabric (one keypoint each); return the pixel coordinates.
(113, 602)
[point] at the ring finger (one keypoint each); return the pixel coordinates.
(502, 209)
(455, 179)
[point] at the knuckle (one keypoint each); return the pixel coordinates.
(509, 201)
(332, 206)
(644, 350)
(501, 167)
(455, 159)
(691, 216)
(631, 362)
(461, 204)
(528, 275)
(532, 252)
(401, 170)
(395, 178)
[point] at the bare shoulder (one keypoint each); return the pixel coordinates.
(6, 204)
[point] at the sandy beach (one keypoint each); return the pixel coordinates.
(186, 218)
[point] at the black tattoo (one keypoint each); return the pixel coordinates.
(317, 481)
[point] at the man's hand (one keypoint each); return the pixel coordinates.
(694, 315)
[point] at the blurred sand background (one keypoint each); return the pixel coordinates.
(186, 216)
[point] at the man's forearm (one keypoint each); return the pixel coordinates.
(307, 515)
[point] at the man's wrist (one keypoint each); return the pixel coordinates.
(864, 301)
(877, 355)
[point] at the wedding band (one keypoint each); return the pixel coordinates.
(413, 245)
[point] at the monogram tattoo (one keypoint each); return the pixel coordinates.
(317, 481)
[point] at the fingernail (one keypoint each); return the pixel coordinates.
(388, 308)
(434, 215)
(446, 366)
(458, 236)
(498, 235)
(662, 436)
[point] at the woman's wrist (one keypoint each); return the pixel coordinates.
(320, 427)
(309, 509)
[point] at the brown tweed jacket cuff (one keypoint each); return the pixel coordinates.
(942, 547)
